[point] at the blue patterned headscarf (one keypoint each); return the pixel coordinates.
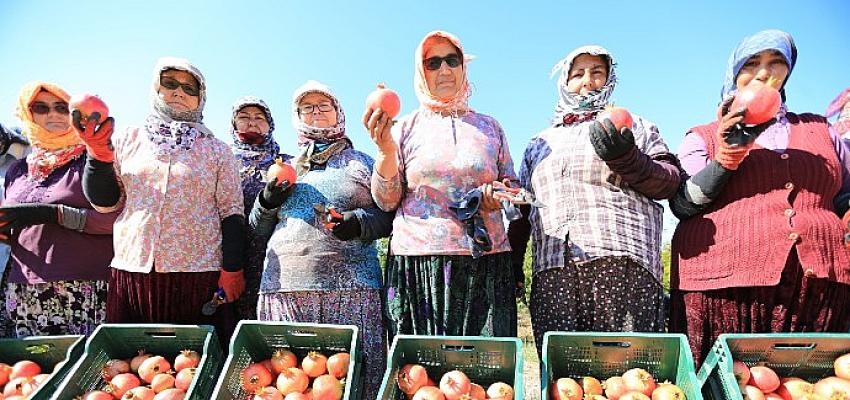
(574, 103)
(770, 39)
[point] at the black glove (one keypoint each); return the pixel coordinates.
(8, 136)
(274, 195)
(741, 134)
(348, 227)
(23, 215)
(608, 142)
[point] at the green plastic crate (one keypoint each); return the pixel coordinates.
(602, 355)
(255, 341)
(46, 351)
(484, 359)
(806, 355)
(124, 340)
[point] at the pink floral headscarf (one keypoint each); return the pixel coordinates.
(420, 86)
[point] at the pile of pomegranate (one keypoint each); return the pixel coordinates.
(763, 383)
(634, 384)
(317, 377)
(414, 382)
(147, 377)
(21, 379)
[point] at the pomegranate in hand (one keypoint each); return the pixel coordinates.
(88, 104)
(384, 99)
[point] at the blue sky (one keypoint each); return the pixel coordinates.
(671, 55)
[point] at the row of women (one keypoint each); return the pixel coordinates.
(144, 225)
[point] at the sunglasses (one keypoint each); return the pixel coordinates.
(44, 108)
(434, 63)
(173, 84)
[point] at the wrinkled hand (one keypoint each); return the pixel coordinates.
(490, 198)
(19, 216)
(233, 284)
(347, 227)
(379, 125)
(98, 138)
(608, 142)
(273, 195)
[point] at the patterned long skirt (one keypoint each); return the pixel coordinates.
(796, 304)
(451, 295)
(608, 294)
(168, 298)
(54, 308)
(361, 308)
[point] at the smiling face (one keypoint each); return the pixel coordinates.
(56, 118)
(316, 109)
(587, 73)
(177, 98)
(445, 81)
(762, 67)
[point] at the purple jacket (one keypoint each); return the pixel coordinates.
(50, 252)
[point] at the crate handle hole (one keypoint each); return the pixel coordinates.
(794, 346)
(162, 334)
(458, 348)
(611, 344)
(303, 333)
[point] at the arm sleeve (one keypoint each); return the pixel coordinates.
(101, 185)
(233, 234)
(656, 177)
(374, 222)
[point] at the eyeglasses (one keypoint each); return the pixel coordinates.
(434, 63)
(310, 108)
(173, 84)
(43, 108)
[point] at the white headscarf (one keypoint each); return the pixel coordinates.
(574, 103)
(460, 101)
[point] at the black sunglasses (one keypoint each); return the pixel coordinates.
(434, 63)
(44, 108)
(173, 84)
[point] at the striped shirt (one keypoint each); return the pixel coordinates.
(587, 204)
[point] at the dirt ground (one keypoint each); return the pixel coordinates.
(531, 364)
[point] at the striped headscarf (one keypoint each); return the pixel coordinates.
(582, 104)
(460, 101)
(770, 39)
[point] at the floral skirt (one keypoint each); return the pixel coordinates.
(607, 294)
(451, 295)
(796, 304)
(54, 308)
(361, 308)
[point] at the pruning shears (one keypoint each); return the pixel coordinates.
(217, 300)
(519, 196)
(328, 215)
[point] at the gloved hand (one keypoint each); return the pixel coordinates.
(273, 195)
(845, 221)
(347, 227)
(731, 155)
(23, 215)
(608, 142)
(98, 141)
(233, 284)
(732, 129)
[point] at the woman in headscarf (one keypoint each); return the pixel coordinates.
(447, 274)
(322, 267)
(841, 106)
(596, 261)
(182, 232)
(61, 247)
(255, 149)
(760, 246)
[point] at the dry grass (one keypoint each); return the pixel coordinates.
(531, 363)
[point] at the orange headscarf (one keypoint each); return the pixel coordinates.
(459, 102)
(38, 135)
